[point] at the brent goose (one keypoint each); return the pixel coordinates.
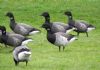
(22, 29)
(80, 25)
(21, 54)
(12, 39)
(59, 39)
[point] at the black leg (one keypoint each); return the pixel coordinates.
(26, 63)
(87, 34)
(63, 48)
(5, 45)
(77, 33)
(16, 63)
(59, 48)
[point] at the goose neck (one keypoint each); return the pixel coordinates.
(49, 33)
(3, 33)
(70, 17)
(47, 19)
(12, 23)
(12, 20)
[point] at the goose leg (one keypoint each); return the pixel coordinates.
(26, 63)
(16, 63)
(59, 48)
(77, 33)
(87, 34)
(5, 45)
(63, 48)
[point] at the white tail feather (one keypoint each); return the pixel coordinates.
(33, 32)
(90, 29)
(68, 31)
(25, 55)
(26, 41)
(74, 38)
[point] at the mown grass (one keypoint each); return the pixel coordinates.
(83, 54)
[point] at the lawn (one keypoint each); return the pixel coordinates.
(83, 54)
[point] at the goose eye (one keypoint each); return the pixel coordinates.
(11, 18)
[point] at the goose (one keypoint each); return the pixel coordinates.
(80, 25)
(21, 54)
(21, 28)
(59, 39)
(56, 26)
(12, 39)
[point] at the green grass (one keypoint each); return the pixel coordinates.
(83, 54)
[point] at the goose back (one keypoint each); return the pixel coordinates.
(58, 27)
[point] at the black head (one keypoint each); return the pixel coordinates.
(68, 13)
(3, 29)
(9, 14)
(45, 14)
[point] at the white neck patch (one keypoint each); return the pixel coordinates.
(11, 18)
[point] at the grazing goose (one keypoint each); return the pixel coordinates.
(21, 54)
(22, 29)
(12, 39)
(59, 38)
(80, 26)
(56, 26)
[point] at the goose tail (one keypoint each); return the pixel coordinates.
(90, 28)
(73, 38)
(26, 41)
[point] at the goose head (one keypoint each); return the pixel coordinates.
(45, 14)
(3, 29)
(9, 14)
(68, 13)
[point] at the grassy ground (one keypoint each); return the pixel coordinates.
(83, 54)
